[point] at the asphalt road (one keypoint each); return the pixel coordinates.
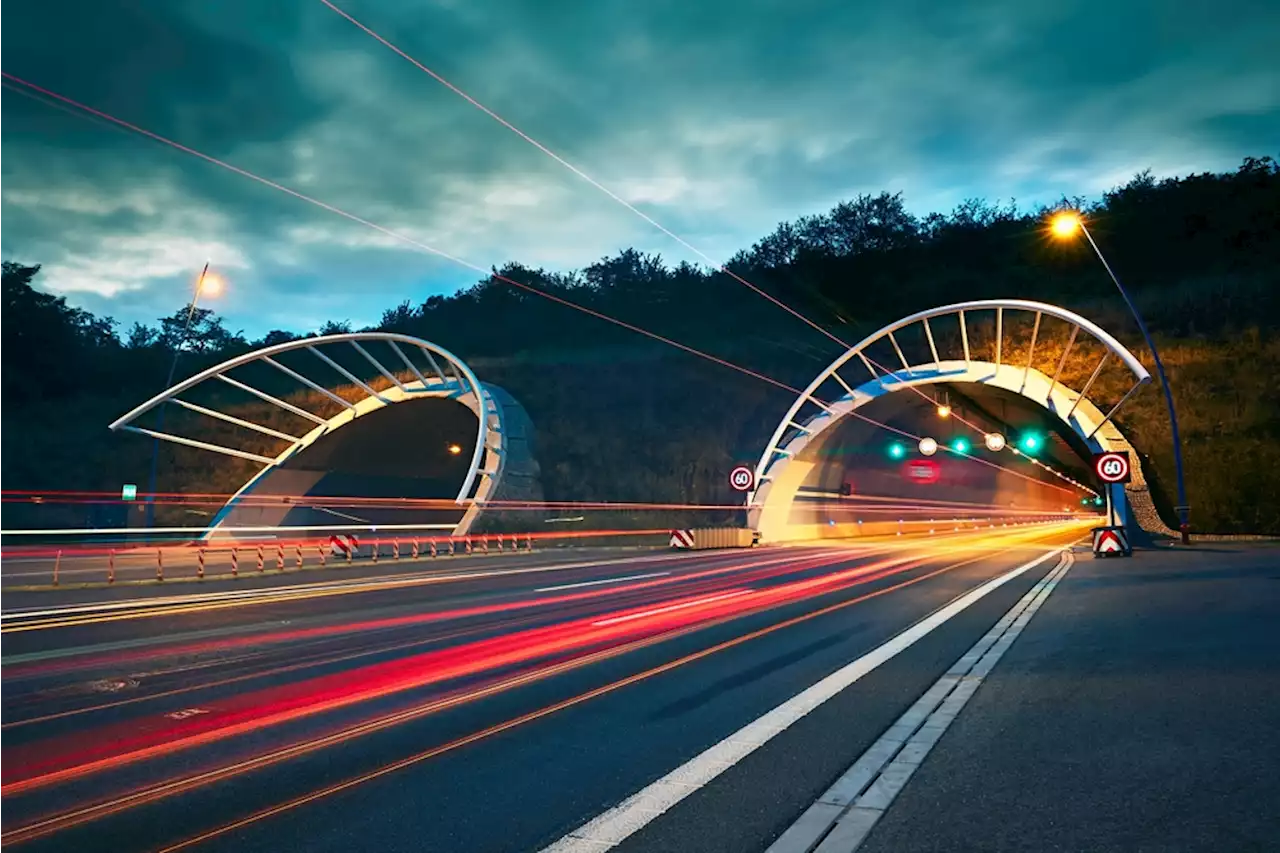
(494, 708)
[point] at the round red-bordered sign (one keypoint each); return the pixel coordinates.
(742, 478)
(1111, 467)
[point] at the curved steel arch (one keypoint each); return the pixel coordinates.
(792, 435)
(441, 374)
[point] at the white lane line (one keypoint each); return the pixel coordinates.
(632, 814)
(598, 583)
(841, 819)
(681, 606)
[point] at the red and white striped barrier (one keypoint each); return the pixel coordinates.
(342, 544)
(682, 539)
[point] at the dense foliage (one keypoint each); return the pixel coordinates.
(621, 417)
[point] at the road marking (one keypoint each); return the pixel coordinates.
(598, 583)
(670, 607)
(637, 811)
(843, 817)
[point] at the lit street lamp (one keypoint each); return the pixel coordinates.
(211, 285)
(1064, 225)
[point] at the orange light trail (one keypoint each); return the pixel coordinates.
(543, 712)
(58, 822)
(265, 708)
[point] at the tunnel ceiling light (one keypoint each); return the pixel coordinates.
(455, 449)
(944, 411)
(960, 445)
(897, 450)
(1031, 442)
(994, 441)
(928, 446)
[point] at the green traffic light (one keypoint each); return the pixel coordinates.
(1031, 442)
(960, 445)
(897, 451)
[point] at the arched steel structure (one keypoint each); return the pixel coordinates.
(435, 372)
(778, 478)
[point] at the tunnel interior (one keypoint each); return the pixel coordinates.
(378, 469)
(863, 472)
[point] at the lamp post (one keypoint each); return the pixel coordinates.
(1064, 225)
(204, 284)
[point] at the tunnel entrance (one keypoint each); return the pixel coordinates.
(401, 465)
(380, 429)
(860, 472)
(1011, 365)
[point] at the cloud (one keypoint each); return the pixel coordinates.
(718, 119)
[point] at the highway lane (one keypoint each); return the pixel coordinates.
(518, 705)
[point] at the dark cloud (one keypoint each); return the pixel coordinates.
(719, 118)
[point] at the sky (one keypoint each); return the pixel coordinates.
(719, 119)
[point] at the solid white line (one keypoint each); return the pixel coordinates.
(841, 819)
(598, 583)
(632, 814)
(656, 610)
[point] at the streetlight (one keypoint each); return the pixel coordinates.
(455, 449)
(944, 411)
(1064, 225)
(210, 284)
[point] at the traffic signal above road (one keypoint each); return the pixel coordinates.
(1030, 442)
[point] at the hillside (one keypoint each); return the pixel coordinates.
(623, 418)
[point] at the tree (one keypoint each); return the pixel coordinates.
(274, 337)
(336, 327)
(142, 337)
(197, 330)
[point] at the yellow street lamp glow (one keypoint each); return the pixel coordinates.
(455, 449)
(210, 285)
(944, 411)
(1065, 224)
(928, 446)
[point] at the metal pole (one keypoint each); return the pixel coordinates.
(173, 368)
(1183, 509)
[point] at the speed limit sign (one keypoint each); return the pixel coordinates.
(1112, 467)
(742, 478)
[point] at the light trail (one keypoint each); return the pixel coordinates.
(79, 816)
(92, 111)
(42, 764)
(438, 252)
(115, 747)
(581, 174)
(545, 711)
(404, 238)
